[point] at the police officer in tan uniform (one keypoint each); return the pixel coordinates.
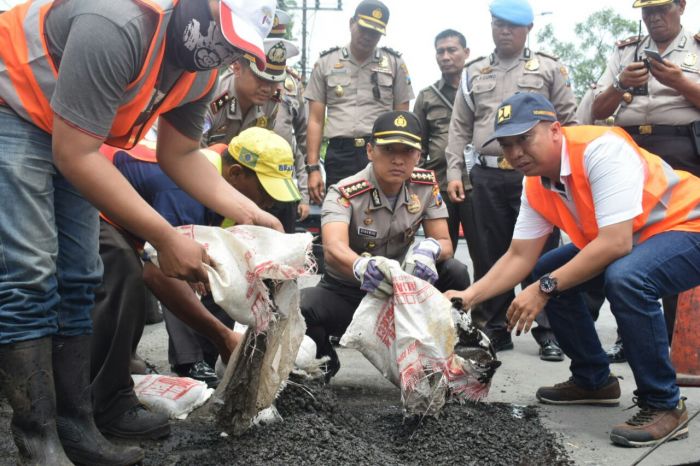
(496, 187)
(658, 103)
(373, 215)
(355, 83)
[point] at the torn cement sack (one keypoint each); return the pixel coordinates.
(244, 256)
(410, 337)
(175, 397)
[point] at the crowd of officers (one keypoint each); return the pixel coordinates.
(449, 181)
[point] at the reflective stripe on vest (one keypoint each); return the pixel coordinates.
(671, 199)
(28, 76)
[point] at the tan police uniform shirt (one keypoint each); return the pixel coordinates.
(224, 119)
(290, 123)
(373, 225)
(434, 115)
(346, 88)
(488, 81)
(663, 105)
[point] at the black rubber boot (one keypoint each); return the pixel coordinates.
(27, 380)
(82, 441)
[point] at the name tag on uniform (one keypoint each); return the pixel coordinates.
(367, 232)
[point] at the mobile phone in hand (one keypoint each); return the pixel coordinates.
(653, 55)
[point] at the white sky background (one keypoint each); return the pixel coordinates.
(414, 24)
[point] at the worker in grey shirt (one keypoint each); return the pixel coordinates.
(355, 83)
(496, 187)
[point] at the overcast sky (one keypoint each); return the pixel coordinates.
(414, 24)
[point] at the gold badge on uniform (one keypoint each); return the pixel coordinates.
(261, 122)
(400, 121)
(504, 113)
(564, 72)
(532, 64)
(338, 66)
(627, 97)
(371, 245)
(485, 70)
(368, 221)
(343, 202)
(691, 59)
(384, 63)
(413, 206)
(339, 91)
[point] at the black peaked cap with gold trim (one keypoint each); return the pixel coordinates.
(372, 14)
(397, 128)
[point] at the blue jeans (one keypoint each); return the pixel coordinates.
(663, 265)
(49, 238)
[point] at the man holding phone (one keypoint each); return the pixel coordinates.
(652, 88)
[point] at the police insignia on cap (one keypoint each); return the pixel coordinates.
(414, 205)
(377, 14)
(400, 121)
(504, 113)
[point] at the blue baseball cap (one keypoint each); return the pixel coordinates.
(518, 12)
(519, 113)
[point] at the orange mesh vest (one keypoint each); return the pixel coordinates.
(29, 79)
(671, 199)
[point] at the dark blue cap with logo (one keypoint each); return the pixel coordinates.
(520, 113)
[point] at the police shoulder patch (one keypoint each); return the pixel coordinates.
(355, 188)
(391, 51)
(327, 51)
(218, 103)
(622, 43)
(547, 55)
(421, 176)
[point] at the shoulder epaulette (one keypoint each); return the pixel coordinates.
(474, 61)
(548, 55)
(620, 44)
(354, 188)
(391, 51)
(327, 51)
(421, 176)
(697, 37)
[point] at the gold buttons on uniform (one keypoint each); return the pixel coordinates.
(339, 91)
(368, 221)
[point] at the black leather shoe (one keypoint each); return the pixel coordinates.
(331, 367)
(199, 370)
(138, 423)
(501, 341)
(550, 351)
(616, 353)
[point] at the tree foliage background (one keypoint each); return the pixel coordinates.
(587, 57)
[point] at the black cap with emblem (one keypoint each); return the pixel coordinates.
(397, 128)
(372, 14)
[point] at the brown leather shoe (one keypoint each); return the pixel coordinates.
(650, 425)
(568, 393)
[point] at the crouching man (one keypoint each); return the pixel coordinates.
(635, 227)
(377, 212)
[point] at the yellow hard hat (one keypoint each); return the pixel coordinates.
(270, 157)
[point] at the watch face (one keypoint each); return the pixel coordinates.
(548, 284)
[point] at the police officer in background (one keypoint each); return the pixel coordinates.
(356, 83)
(373, 215)
(656, 102)
(496, 187)
(433, 107)
(290, 123)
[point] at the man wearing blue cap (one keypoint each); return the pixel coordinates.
(496, 187)
(634, 223)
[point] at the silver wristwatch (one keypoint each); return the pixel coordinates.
(617, 84)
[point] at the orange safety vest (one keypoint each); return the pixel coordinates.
(30, 76)
(671, 199)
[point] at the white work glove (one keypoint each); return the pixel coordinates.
(420, 260)
(371, 273)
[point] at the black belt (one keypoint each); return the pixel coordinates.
(354, 142)
(658, 130)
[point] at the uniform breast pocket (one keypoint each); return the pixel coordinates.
(531, 82)
(483, 86)
(385, 80)
(338, 87)
(438, 119)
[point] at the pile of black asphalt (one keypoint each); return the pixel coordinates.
(338, 424)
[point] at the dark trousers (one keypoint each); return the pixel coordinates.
(286, 213)
(496, 202)
(186, 346)
(679, 152)
(118, 320)
(463, 213)
(328, 307)
(343, 159)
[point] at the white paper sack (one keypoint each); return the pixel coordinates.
(306, 364)
(175, 397)
(245, 255)
(410, 338)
